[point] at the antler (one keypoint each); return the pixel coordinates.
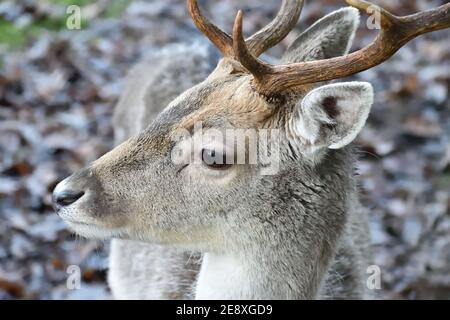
(264, 39)
(395, 32)
(220, 39)
(278, 29)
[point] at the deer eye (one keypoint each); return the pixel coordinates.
(214, 159)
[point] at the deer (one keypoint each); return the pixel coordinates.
(211, 227)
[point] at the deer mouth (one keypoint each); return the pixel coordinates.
(95, 231)
(86, 225)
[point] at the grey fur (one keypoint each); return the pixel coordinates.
(154, 82)
(139, 270)
(329, 37)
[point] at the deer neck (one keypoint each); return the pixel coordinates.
(221, 277)
(287, 256)
(262, 276)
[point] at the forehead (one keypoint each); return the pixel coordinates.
(229, 101)
(225, 101)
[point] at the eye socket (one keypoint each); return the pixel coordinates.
(215, 160)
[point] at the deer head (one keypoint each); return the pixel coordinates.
(162, 186)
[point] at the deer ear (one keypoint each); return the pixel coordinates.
(329, 37)
(332, 115)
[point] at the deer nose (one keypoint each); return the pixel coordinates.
(72, 188)
(65, 198)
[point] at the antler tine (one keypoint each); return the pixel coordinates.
(220, 39)
(278, 29)
(264, 39)
(395, 32)
(242, 53)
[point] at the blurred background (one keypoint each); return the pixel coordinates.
(58, 88)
